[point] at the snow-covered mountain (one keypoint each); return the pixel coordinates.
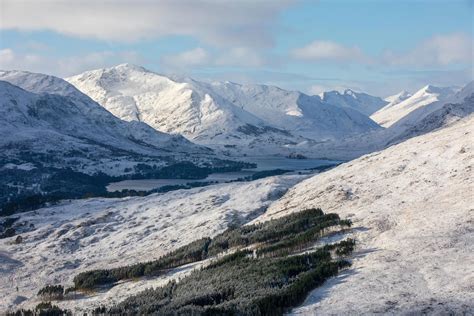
(45, 114)
(362, 102)
(395, 111)
(458, 106)
(411, 206)
(225, 114)
(397, 98)
(422, 120)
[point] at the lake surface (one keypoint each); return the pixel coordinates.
(263, 163)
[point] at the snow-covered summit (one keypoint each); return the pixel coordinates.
(393, 112)
(218, 113)
(362, 102)
(397, 98)
(45, 114)
(39, 83)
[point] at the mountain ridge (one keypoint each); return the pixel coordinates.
(218, 112)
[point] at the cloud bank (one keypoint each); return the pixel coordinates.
(221, 23)
(439, 50)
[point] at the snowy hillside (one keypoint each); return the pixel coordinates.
(446, 115)
(51, 104)
(362, 102)
(411, 205)
(418, 114)
(47, 115)
(64, 145)
(397, 98)
(294, 111)
(428, 95)
(420, 121)
(254, 117)
(64, 240)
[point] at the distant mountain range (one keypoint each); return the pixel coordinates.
(56, 142)
(47, 115)
(256, 118)
(403, 104)
(128, 122)
(361, 102)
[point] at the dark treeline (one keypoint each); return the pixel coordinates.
(192, 252)
(263, 174)
(238, 284)
(51, 292)
(277, 237)
(59, 184)
(42, 309)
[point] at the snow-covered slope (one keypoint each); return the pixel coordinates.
(45, 114)
(411, 205)
(64, 240)
(294, 111)
(397, 98)
(446, 115)
(418, 114)
(362, 102)
(428, 95)
(421, 121)
(218, 114)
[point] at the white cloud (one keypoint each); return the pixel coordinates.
(440, 50)
(199, 57)
(11, 60)
(240, 56)
(194, 57)
(65, 66)
(222, 23)
(329, 51)
(6, 56)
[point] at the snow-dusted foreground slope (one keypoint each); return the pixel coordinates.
(412, 208)
(104, 233)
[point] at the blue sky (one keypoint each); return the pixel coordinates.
(376, 46)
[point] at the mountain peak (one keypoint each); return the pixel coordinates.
(222, 113)
(39, 83)
(431, 89)
(351, 93)
(129, 66)
(361, 102)
(397, 98)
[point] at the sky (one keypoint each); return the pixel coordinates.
(377, 46)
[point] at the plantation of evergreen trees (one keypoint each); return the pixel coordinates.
(238, 284)
(276, 237)
(52, 292)
(42, 309)
(267, 269)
